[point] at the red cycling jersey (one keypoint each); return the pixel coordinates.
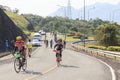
(20, 44)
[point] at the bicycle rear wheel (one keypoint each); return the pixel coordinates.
(17, 65)
(58, 60)
(24, 65)
(58, 63)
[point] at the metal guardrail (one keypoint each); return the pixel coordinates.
(109, 54)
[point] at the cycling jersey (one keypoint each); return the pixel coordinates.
(58, 46)
(29, 44)
(20, 45)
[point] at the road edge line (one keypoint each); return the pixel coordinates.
(111, 69)
(50, 69)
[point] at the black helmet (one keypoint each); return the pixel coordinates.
(59, 40)
(29, 40)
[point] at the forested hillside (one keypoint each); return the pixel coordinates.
(78, 28)
(20, 21)
(12, 25)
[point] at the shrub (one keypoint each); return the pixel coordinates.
(28, 33)
(113, 48)
(78, 34)
(72, 33)
(96, 47)
(76, 37)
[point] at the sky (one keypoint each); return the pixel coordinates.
(46, 7)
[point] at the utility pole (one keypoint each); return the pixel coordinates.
(64, 11)
(69, 14)
(89, 12)
(84, 25)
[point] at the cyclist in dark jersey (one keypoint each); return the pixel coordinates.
(59, 46)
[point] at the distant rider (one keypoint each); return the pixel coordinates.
(51, 43)
(29, 46)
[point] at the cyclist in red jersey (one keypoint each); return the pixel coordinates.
(20, 46)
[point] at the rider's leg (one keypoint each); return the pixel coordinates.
(60, 55)
(56, 56)
(24, 56)
(29, 52)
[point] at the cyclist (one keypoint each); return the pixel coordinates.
(59, 46)
(29, 46)
(20, 45)
(51, 43)
(64, 44)
(46, 43)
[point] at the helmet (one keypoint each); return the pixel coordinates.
(59, 40)
(18, 38)
(29, 40)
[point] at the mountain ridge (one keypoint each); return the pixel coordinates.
(104, 11)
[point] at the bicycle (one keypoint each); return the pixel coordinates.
(20, 62)
(58, 58)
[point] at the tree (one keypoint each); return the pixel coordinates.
(16, 10)
(106, 34)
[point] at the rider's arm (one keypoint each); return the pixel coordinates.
(61, 46)
(23, 45)
(55, 46)
(15, 48)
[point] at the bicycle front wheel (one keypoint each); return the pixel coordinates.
(58, 63)
(24, 66)
(17, 64)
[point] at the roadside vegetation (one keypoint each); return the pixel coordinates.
(19, 20)
(107, 37)
(106, 34)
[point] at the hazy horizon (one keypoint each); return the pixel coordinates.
(45, 7)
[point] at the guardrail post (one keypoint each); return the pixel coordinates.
(91, 52)
(104, 55)
(115, 57)
(78, 48)
(86, 50)
(97, 53)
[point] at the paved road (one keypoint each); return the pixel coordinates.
(42, 66)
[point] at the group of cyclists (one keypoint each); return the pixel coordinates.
(22, 46)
